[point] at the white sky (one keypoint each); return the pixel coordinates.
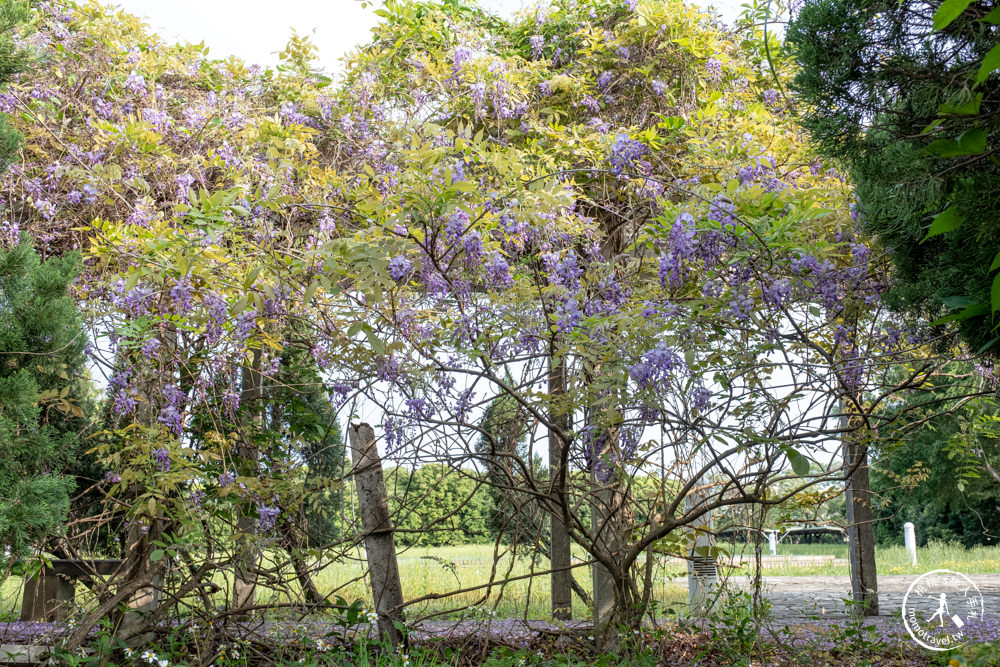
(256, 30)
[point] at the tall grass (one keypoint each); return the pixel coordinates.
(437, 570)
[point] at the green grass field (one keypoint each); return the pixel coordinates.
(436, 570)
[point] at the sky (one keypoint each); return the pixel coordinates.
(256, 30)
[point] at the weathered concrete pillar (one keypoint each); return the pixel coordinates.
(380, 546)
(47, 597)
(703, 574)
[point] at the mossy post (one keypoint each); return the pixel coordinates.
(380, 545)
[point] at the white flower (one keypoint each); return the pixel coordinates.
(128, 652)
(162, 662)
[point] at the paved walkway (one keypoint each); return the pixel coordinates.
(802, 597)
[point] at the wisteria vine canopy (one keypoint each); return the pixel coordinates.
(610, 191)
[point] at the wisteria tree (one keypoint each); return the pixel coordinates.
(617, 230)
(601, 215)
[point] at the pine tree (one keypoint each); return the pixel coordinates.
(41, 360)
(309, 423)
(895, 102)
(12, 61)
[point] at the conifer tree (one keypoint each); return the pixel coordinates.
(41, 359)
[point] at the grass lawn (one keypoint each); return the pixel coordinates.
(431, 570)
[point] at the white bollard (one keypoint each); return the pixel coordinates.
(702, 570)
(910, 540)
(772, 542)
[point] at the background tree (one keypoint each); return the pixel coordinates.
(436, 507)
(13, 15)
(300, 413)
(41, 419)
(42, 390)
(911, 113)
(940, 474)
(513, 514)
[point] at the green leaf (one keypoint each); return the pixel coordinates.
(974, 310)
(378, 347)
(995, 294)
(157, 555)
(993, 17)
(800, 463)
(988, 345)
(959, 301)
(935, 122)
(969, 108)
(971, 142)
(996, 262)
(310, 293)
(948, 12)
(991, 61)
(946, 221)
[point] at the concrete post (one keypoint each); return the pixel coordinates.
(910, 540)
(772, 542)
(702, 571)
(380, 544)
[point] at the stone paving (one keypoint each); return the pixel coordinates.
(802, 597)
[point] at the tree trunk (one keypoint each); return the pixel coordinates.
(244, 579)
(612, 595)
(860, 529)
(559, 544)
(380, 546)
(606, 541)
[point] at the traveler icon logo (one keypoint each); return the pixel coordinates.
(926, 613)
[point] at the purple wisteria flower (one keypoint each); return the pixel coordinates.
(151, 348)
(400, 268)
(459, 56)
(625, 153)
(569, 315)
(226, 479)
(181, 295)
(322, 355)
(184, 181)
(135, 83)
(657, 367)
(419, 408)
(267, 517)
(464, 404)
(498, 272)
(537, 45)
(161, 457)
(714, 68)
